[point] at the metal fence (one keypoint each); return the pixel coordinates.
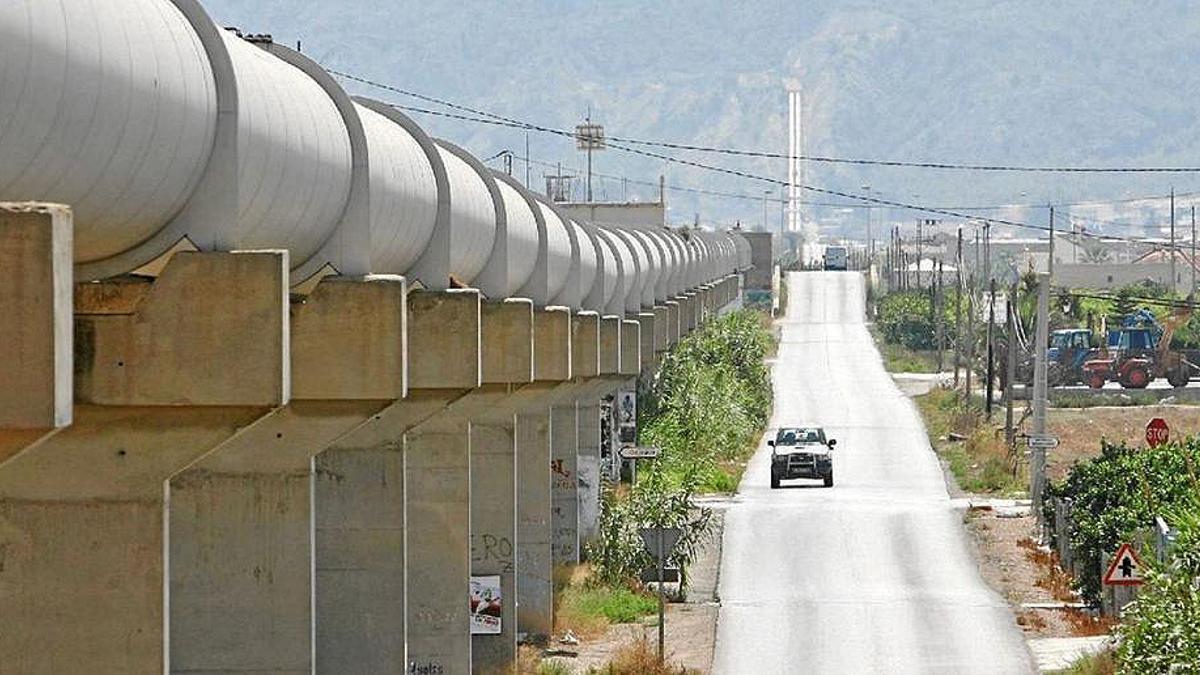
(1113, 598)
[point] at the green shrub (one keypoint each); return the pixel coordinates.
(1118, 494)
(1159, 633)
(907, 318)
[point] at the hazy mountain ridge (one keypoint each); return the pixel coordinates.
(1072, 82)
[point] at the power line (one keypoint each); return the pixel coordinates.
(509, 121)
(949, 212)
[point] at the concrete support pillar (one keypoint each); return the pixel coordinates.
(588, 468)
(82, 528)
(564, 485)
(369, 487)
(35, 301)
(535, 582)
(494, 535)
(241, 554)
(437, 503)
(241, 529)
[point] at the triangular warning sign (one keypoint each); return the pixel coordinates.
(1125, 568)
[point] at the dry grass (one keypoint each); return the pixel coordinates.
(640, 658)
(1051, 575)
(1031, 620)
(1083, 624)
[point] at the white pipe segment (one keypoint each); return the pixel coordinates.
(589, 261)
(635, 297)
(662, 291)
(153, 124)
(109, 108)
(743, 250)
(679, 280)
(522, 238)
(403, 194)
(558, 245)
(294, 160)
(472, 218)
(618, 303)
(611, 272)
(655, 265)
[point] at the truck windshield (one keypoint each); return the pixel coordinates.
(801, 435)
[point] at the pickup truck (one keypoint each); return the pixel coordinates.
(801, 452)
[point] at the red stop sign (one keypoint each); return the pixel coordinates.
(1157, 432)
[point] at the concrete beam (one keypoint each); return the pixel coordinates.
(648, 346)
(610, 345)
(507, 341)
(662, 328)
(350, 337)
(141, 342)
(674, 332)
(585, 344)
(35, 300)
(444, 339)
(552, 344)
(631, 347)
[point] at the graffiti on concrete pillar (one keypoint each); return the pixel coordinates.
(492, 551)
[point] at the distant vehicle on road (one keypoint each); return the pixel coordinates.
(836, 258)
(801, 452)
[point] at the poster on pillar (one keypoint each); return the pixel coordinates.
(627, 416)
(486, 605)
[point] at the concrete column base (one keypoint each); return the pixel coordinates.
(564, 483)
(494, 536)
(437, 503)
(82, 538)
(535, 582)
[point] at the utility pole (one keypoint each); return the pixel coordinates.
(1011, 367)
(919, 253)
(526, 159)
(970, 335)
(1037, 468)
(958, 298)
(987, 254)
(1193, 265)
(978, 262)
(939, 318)
(1173, 286)
(1050, 262)
(991, 361)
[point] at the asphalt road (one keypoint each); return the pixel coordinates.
(875, 574)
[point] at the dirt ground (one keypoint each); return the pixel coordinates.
(690, 638)
(1080, 429)
(691, 626)
(1027, 576)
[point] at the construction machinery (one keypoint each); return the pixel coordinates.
(1140, 351)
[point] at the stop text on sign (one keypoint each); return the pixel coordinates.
(1157, 432)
